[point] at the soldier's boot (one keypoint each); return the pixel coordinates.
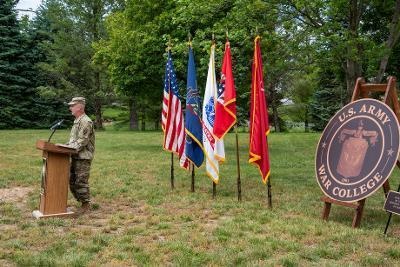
(85, 207)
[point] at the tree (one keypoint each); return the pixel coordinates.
(138, 38)
(132, 54)
(301, 93)
(19, 104)
(391, 41)
(348, 28)
(72, 27)
(329, 97)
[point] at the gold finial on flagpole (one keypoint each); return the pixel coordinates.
(190, 39)
(257, 35)
(169, 47)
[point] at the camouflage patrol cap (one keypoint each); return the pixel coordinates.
(77, 100)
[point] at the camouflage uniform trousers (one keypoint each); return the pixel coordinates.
(79, 179)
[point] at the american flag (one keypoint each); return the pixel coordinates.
(172, 117)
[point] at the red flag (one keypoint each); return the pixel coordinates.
(225, 109)
(259, 127)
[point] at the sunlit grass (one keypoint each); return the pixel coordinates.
(138, 220)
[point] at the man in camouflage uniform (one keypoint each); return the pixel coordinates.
(83, 140)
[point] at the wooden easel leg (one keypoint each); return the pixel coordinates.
(326, 211)
(358, 214)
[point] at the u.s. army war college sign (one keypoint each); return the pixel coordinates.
(357, 150)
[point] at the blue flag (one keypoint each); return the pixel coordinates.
(193, 126)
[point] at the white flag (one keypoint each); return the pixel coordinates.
(213, 148)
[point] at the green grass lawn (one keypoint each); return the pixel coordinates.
(138, 220)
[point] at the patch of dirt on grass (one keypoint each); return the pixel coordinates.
(15, 194)
(310, 243)
(8, 227)
(395, 231)
(208, 219)
(112, 217)
(5, 263)
(212, 223)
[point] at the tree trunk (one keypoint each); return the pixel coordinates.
(394, 34)
(98, 104)
(276, 118)
(306, 127)
(353, 65)
(274, 107)
(98, 123)
(95, 18)
(133, 117)
(143, 123)
(353, 71)
(156, 124)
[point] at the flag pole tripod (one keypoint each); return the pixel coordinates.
(239, 183)
(192, 186)
(172, 171)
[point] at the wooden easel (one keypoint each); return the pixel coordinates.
(364, 90)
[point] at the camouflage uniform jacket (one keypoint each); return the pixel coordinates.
(82, 137)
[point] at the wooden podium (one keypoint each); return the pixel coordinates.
(55, 180)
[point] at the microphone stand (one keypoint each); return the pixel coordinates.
(52, 134)
(54, 128)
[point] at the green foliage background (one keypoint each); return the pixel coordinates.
(114, 52)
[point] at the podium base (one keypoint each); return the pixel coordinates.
(38, 215)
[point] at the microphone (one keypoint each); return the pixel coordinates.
(57, 124)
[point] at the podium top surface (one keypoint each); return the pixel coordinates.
(46, 146)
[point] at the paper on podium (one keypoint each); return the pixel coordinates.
(66, 146)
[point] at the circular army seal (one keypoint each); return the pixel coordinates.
(357, 151)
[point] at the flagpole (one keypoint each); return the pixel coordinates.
(193, 172)
(269, 193)
(214, 185)
(192, 187)
(172, 171)
(239, 183)
(214, 189)
(172, 154)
